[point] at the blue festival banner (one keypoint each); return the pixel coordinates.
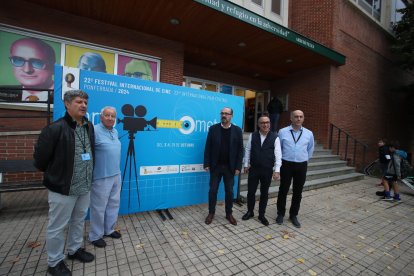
(162, 129)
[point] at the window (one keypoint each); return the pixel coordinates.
(372, 7)
(258, 2)
(276, 6)
(210, 87)
(395, 15)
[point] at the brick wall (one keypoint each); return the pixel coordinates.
(308, 91)
(314, 19)
(18, 147)
(360, 95)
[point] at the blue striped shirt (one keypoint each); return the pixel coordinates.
(297, 146)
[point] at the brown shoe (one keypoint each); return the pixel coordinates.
(209, 218)
(231, 219)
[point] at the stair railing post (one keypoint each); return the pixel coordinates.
(339, 141)
(330, 135)
(346, 146)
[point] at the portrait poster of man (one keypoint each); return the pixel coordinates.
(137, 68)
(26, 63)
(89, 59)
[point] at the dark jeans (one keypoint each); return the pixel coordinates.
(264, 175)
(289, 171)
(221, 171)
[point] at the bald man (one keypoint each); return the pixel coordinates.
(297, 144)
(32, 60)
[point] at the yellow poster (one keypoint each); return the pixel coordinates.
(89, 59)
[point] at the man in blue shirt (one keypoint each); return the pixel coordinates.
(106, 186)
(297, 145)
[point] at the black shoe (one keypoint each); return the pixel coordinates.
(279, 219)
(99, 243)
(248, 215)
(295, 221)
(114, 235)
(82, 255)
(59, 270)
(380, 193)
(263, 220)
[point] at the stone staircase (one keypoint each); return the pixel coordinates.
(324, 169)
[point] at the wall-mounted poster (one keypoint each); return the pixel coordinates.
(26, 65)
(89, 59)
(137, 68)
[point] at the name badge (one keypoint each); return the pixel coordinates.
(86, 157)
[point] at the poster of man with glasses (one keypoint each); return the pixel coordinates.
(27, 65)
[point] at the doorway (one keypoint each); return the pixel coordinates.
(255, 103)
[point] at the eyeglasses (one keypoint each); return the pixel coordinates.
(263, 123)
(109, 116)
(137, 75)
(225, 113)
(34, 62)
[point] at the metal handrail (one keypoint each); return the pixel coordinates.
(348, 139)
(48, 103)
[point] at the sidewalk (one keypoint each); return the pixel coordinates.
(346, 230)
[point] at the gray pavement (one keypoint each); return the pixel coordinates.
(346, 230)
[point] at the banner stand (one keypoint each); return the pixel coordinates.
(161, 214)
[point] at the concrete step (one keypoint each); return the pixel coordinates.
(323, 158)
(321, 151)
(312, 166)
(311, 184)
(310, 175)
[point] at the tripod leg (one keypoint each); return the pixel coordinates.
(126, 163)
(136, 177)
(131, 150)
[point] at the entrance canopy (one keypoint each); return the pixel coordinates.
(215, 33)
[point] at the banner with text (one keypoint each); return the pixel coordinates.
(162, 128)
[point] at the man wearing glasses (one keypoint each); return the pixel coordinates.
(223, 156)
(262, 160)
(32, 60)
(139, 69)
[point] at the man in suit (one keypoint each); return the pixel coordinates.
(223, 156)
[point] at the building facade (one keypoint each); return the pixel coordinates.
(330, 59)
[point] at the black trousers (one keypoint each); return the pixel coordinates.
(289, 171)
(221, 171)
(264, 175)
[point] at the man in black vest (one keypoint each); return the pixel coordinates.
(223, 156)
(262, 160)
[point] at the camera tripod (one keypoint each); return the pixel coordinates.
(131, 157)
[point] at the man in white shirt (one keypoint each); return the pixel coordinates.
(262, 160)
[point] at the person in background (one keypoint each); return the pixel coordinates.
(223, 156)
(262, 160)
(65, 153)
(297, 144)
(275, 108)
(384, 158)
(106, 186)
(393, 174)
